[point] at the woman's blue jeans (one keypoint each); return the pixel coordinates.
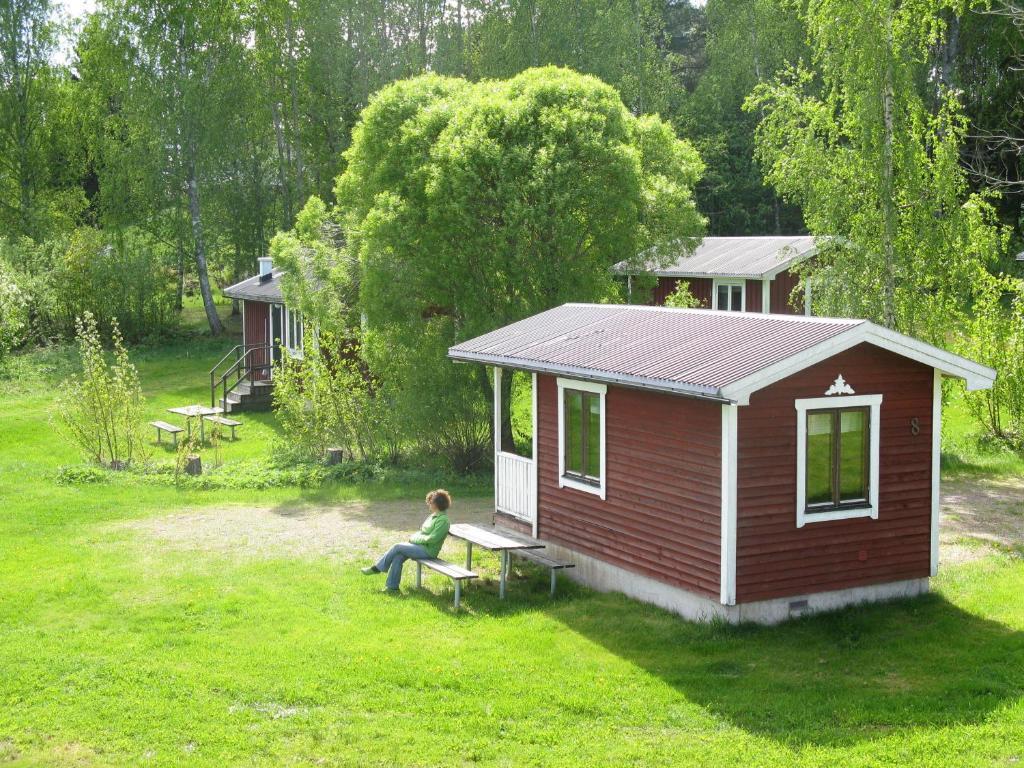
(395, 558)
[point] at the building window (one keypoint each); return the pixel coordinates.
(581, 436)
(293, 331)
(837, 458)
(730, 295)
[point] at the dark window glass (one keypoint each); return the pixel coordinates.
(729, 297)
(837, 458)
(582, 439)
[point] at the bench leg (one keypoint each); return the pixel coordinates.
(504, 571)
(458, 593)
(174, 438)
(158, 435)
(232, 434)
(469, 555)
(554, 577)
(419, 574)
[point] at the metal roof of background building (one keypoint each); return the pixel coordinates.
(253, 289)
(747, 257)
(698, 352)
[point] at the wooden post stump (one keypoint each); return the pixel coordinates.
(335, 456)
(193, 465)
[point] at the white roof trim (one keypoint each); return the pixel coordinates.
(977, 376)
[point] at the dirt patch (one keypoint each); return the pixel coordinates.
(348, 530)
(980, 514)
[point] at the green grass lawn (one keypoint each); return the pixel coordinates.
(116, 650)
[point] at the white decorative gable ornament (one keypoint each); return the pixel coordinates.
(839, 387)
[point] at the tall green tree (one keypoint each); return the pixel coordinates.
(471, 206)
(857, 147)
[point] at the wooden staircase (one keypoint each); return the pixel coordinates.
(240, 381)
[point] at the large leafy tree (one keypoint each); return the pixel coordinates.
(858, 148)
(474, 205)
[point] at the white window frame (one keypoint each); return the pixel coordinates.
(569, 482)
(730, 282)
(874, 403)
(288, 316)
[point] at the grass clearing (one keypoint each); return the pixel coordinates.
(151, 625)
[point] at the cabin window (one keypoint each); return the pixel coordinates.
(837, 458)
(581, 431)
(730, 295)
(293, 332)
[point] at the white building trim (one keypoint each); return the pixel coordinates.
(766, 296)
(533, 455)
(730, 440)
(936, 468)
(874, 402)
(568, 482)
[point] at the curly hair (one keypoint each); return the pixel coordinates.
(440, 499)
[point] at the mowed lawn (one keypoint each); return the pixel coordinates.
(143, 625)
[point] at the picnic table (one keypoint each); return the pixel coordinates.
(489, 539)
(193, 411)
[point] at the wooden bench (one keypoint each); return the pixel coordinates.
(541, 559)
(163, 426)
(225, 423)
(456, 573)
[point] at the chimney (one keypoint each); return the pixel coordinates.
(266, 268)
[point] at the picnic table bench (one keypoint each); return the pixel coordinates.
(163, 426)
(548, 562)
(452, 571)
(224, 423)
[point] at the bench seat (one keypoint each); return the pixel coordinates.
(456, 573)
(163, 426)
(548, 562)
(224, 423)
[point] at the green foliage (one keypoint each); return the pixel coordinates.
(994, 336)
(13, 312)
(681, 298)
(871, 166)
(81, 474)
(101, 409)
(474, 205)
(327, 400)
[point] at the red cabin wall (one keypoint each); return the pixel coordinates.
(777, 559)
(700, 287)
(254, 331)
(662, 514)
(753, 296)
(781, 288)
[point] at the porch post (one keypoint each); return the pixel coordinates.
(535, 496)
(766, 296)
(497, 429)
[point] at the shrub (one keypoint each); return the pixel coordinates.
(80, 474)
(13, 312)
(101, 409)
(326, 400)
(994, 336)
(681, 298)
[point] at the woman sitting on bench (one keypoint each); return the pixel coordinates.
(424, 544)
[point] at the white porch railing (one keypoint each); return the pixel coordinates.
(514, 486)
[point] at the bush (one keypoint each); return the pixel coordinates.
(13, 312)
(101, 409)
(994, 336)
(681, 298)
(326, 400)
(80, 474)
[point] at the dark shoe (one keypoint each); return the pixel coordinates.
(370, 570)
(389, 591)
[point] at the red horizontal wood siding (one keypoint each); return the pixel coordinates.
(752, 300)
(781, 288)
(777, 559)
(662, 515)
(254, 331)
(700, 287)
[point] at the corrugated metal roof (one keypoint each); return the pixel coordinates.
(690, 351)
(748, 257)
(253, 290)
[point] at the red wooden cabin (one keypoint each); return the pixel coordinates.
(739, 274)
(746, 466)
(243, 380)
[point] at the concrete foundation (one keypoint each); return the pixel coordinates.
(606, 577)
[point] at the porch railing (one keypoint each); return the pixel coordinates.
(244, 363)
(515, 491)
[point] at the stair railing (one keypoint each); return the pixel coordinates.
(242, 368)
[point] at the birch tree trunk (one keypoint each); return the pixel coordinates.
(888, 201)
(216, 327)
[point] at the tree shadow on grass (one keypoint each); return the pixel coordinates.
(833, 679)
